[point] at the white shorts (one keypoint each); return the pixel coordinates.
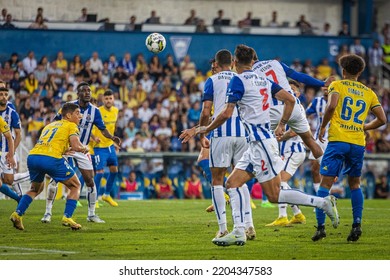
(82, 161)
(297, 122)
(292, 161)
(225, 151)
(5, 169)
(262, 160)
(322, 145)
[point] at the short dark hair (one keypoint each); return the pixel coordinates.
(352, 64)
(294, 83)
(108, 92)
(255, 57)
(81, 85)
(243, 54)
(69, 108)
(223, 57)
(3, 89)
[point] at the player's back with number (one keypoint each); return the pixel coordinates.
(54, 140)
(355, 101)
(275, 71)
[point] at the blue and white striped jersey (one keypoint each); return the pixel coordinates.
(91, 116)
(317, 107)
(215, 90)
(251, 93)
(292, 145)
(11, 117)
(278, 72)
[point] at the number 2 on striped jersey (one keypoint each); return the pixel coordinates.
(263, 92)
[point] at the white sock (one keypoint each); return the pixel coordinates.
(51, 196)
(316, 186)
(248, 208)
(296, 209)
(283, 206)
(18, 189)
(21, 177)
(91, 197)
(237, 204)
(300, 198)
(218, 197)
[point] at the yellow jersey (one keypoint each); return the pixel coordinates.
(355, 101)
(109, 117)
(54, 140)
(4, 127)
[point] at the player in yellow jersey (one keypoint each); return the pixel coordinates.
(349, 103)
(47, 158)
(5, 130)
(105, 154)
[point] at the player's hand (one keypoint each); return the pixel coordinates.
(69, 152)
(329, 80)
(187, 134)
(116, 139)
(321, 134)
(204, 142)
(279, 131)
(10, 160)
(97, 140)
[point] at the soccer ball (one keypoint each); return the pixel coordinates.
(155, 42)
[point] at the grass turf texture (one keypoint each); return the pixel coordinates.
(181, 229)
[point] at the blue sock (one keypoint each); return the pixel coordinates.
(5, 189)
(357, 200)
(264, 198)
(204, 164)
(320, 215)
(70, 206)
(24, 203)
(98, 180)
(110, 182)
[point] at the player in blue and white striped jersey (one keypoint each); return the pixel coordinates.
(278, 72)
(293, 153)
(228, 142)
(251, 93)
(317, 108)
(90, 116)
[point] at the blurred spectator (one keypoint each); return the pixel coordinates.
(35, 123)
(375, 57)
(112, 63)
(130, 130)
(41, 74)
(13, 61)
(145, 113)
(194, 113)
(40, 13)
(131, 25)
(344, 29)
(153, 19)
(187, 68)
(382, 187)
(201, 27)
(192, 19)
(308, 68)
(146, 83)
(274, 20)
(193, 187)
(38, 24)
(78, 65)
(31, 83)
(6, 73)
(8, 23)
(141, 66)
(218, 20)
(154, 123)
(118, 79)
(3, 16)
(163, 188)
(246, 22)
(357, 48)
(386, 57)
(139, 93)
(155, 68)
(326, 30)
(29, 62)
(83, 17)
(130, 184)
(96, 63)
(304, 26)
(61, 62)
(257, 191)
(127, 64)
(344, 50)
(163, 132)
(296, 65)
(324, 70)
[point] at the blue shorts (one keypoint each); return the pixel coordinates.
(57, 168)
(339, 153)
(105, 157)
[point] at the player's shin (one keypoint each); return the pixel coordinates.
(238, 206)
(51, 196)
(219, 207)
(248, 208)
(92, 197)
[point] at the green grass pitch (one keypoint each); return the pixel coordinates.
(182, 230)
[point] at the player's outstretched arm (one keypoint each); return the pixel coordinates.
(76, 145)
(380, 119)
(108, 135)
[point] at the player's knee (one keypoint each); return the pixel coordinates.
(273, 198)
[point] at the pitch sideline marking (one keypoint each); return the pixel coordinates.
(35, 251)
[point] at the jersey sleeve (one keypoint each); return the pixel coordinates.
(98, 121)
(374, 101)
(301, 77)
(208, 92)
(15, 120)
(235, 90)
(311, 109)
(333, 88)
(275, 88)
(73, 130)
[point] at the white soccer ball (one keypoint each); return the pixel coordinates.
(155, 42)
